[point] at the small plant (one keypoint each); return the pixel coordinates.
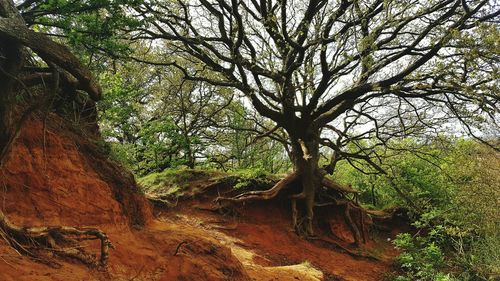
(421, 258)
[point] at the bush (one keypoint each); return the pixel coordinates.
(454, 185)
(421, 257)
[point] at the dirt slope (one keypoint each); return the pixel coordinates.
(57, 176)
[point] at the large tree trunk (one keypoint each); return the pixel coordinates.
(305, 157)
(305, 153)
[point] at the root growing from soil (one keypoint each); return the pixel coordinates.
(332, 194)
(261, 195)
(62, 241)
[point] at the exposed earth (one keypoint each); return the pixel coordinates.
(55, 176)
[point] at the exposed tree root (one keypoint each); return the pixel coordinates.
(353, 253)
(352, 225)
(384, 220)
(261, 195)
(158, 201)
(59, 240)
(337, 187)
(335, 194)
(358, 229)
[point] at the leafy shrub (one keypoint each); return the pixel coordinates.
(454, 185)
(421, 257)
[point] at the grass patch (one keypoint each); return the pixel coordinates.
(176, 183)
(172, 182)
(252, 179)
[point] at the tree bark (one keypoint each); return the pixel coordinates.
(305, 153)
(11, 61)
(15, 30)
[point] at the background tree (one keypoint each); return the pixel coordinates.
(340, 65)
(155, 120)
(94, 28)
(245, 142)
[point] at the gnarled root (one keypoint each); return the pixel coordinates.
(261, 195)
(352, 225)
(352, 207)
(60, 240)
(270, 194)
(336, 195)
(295, 212)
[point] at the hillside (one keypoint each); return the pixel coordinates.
(58, 176)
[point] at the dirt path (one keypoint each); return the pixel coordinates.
(262, 240)
(252, 261)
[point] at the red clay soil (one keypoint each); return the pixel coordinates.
(265, 228)
(59, 177)
(50, 178)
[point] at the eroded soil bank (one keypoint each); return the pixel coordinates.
(57, 176)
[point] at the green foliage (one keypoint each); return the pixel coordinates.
(374, 189)
(482, 259)
(238, 149)
(88, 26)
(421, 258)
(455, 185)
(475, 216)
(154, 120)
(144, 136)
(252, 178)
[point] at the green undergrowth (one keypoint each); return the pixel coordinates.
(174, 183)
(251, 179)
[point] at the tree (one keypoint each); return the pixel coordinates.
(158, 120)
(196, 108)
(93, 28)
(360, 68)
(242, 142)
